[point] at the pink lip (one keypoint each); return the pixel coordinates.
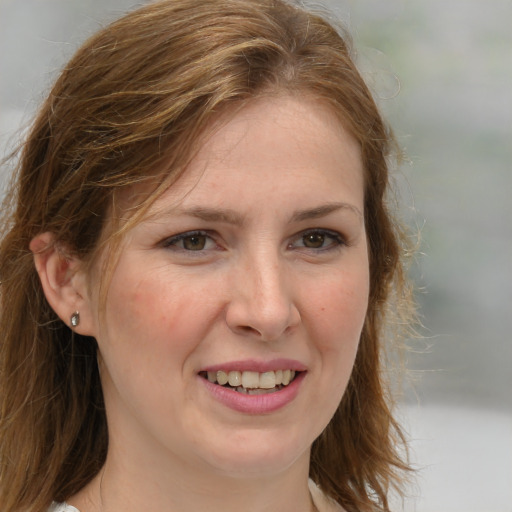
(255, 404)
(253, 365)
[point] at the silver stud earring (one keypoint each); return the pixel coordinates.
(75, 319)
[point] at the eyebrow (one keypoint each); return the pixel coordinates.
(229, 216)
(215, 215)
(324, 210)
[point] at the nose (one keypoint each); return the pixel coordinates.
(262, 302)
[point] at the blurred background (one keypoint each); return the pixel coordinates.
(442, 73)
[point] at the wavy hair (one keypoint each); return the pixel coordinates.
(130, 108)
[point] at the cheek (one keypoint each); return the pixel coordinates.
(158, 313)
(339, 309)
(153, 323)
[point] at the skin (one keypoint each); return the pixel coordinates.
(276, 267)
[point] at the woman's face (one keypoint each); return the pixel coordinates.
(252, 267)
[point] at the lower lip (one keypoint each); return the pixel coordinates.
(255, 404)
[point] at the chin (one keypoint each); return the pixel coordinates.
(256, 457)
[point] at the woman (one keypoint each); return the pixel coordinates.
(196, 269)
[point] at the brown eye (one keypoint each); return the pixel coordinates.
(317, 240)
(194, 242)
(190, 241)
(313, 240)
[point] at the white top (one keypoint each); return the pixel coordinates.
(322, 502)
(62, 507)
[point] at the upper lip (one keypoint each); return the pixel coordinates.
(253, 365)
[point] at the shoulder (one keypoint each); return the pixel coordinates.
(322, 502)
(62, 507)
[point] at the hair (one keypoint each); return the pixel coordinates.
(130, 108)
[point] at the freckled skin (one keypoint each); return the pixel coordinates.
(255, 292)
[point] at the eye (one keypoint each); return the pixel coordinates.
(193, 241)
(314, 240)
(317, 239)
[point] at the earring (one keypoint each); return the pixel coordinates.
(75, 319)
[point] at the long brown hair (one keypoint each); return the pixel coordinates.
(129, 108)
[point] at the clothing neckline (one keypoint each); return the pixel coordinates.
(322, 502)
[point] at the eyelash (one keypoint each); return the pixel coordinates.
(336, 241)
(175, 240)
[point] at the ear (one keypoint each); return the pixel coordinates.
(64, 283)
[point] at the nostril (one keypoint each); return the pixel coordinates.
(248, 329)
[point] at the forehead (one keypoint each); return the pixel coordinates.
(273, 146)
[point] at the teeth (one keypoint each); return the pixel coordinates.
(222, 377)
(267, 380)
(234, 379)
(258, 391)
(252, 382)
(261, 391)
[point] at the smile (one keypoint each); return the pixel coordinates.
(250, 382)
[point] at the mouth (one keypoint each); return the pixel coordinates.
(252, 383)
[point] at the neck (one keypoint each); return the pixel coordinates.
(142, 487)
